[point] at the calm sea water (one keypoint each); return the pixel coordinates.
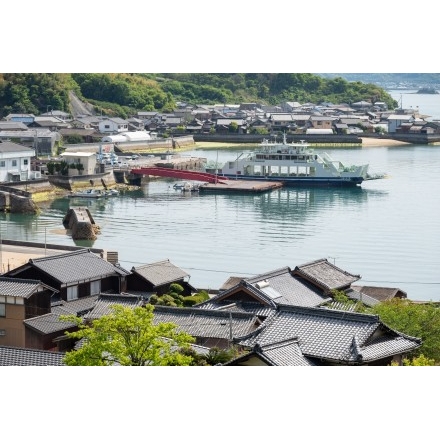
(428, 105)
(386, 230)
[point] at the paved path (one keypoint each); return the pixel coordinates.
(12, 256)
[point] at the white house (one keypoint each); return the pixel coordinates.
(87, 159)
(113, 125)
(15, 162)
(395, 121)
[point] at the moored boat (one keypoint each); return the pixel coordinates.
(294, 164)
(94, 193)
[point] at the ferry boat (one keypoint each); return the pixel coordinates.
(294, 164)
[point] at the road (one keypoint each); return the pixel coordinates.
(77, 107)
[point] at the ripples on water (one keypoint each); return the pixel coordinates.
(386, 230)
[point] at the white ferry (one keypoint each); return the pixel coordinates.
(294, 164)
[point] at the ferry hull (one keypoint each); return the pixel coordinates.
(298, 181)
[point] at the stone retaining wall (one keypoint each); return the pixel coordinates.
(17, 204)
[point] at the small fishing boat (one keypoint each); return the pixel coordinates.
(94, 193)
(88, 193)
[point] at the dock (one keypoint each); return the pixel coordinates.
(242, 186)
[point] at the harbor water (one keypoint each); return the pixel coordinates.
(386, 231)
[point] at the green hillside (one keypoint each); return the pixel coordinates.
(121, 94)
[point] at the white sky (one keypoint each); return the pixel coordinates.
(228, 36)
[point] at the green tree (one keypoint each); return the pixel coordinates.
(412, 319)
(128, 337)
(233, 127)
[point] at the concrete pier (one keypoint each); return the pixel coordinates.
(243, 186)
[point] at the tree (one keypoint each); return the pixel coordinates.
(128, 337)
(412, 319)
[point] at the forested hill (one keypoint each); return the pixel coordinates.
(121, 94)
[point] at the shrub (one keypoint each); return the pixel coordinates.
(177, 288)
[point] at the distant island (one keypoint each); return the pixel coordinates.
(427, 91)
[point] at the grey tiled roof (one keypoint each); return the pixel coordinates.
(283, 353)
(380, 293)
(326, 274)
(332, 335)
(207, 323)
(105, 301)
(293, 290)
(12, 147)
(13, 356)
(51, 323)
(47, 324)
(273, 288)
(76, 266)
(161, 272)
(75, 307)
(256, 309)
(20, 287)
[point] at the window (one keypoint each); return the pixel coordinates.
(2, 163)
(14, 162)
(25, 161)
(95, 287)
(72, 293)
(3, 310)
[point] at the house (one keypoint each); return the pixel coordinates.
(15, 161)
(326, 337)
(380, 294)
(105, 301)
(26, 118)
(157, 278)
(308, 285)
(113, 125)
(321, 122)
(396, 120)
(210, 328)
(21, 299)
(326, 275)
(223, 125)
(58, 114)
(281, 121)
(88, 135)
(75, 274)
(86, 159)
(52, 123)
(12, 126)
(48, 331)
(41, 140)
(285, 353)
